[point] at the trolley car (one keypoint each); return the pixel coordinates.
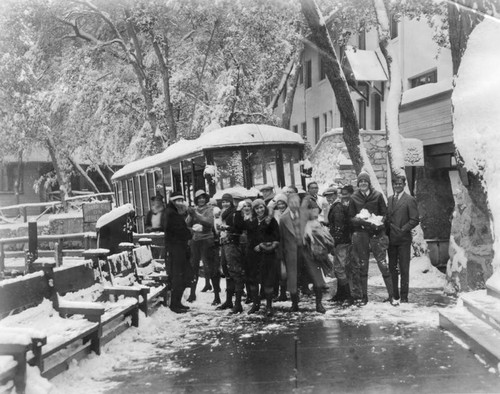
(244, 156)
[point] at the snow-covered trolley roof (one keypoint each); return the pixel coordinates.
(226, 137)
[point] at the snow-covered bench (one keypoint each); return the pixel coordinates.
(134, 271)
(15, 344)
(61, 301)
(26, 303)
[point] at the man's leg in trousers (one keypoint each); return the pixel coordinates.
(360, 255)
(404, 266)
(393, 268)
(207, 257)
(229, 281)
(379, 247)
(195, 266)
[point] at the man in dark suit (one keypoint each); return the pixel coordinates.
(402, 217)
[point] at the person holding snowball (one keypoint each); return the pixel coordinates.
(368, 213)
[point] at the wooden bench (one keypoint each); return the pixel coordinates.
(14, 347)
(92, 300)
(27, 299)
(70, 336)
(134, 268)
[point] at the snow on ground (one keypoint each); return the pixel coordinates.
(422, 275)
(165, 332)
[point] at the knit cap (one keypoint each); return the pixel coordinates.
(363, 176)
(257, 202)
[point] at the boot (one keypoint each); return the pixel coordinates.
(248, 299)
(216, 283)
(175, 302)
(256, 301)
(228, 304)
(269, 305)
(207, 286)
(282, 296)
(319, 295)
(295, 302)
(192, 295)
(237, 304)
(340, 296)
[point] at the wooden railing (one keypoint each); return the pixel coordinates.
(88, 240)
(23, 208)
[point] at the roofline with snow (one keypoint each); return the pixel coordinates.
(232, 136)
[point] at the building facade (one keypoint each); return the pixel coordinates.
(425, 111)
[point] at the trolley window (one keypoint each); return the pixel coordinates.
(291, 166)
(263, 167)
(229, 168)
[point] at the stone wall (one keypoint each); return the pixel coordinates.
(331, 163)
(471, 246)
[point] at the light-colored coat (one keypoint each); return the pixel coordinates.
(292, 249)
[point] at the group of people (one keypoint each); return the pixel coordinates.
(280, 243)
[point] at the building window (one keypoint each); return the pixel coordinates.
(423, 79)
(376, 112)
(394, 26)
(362, 114)
(362, 40)
(308, 75)
(301, 75)
(325, 122)
(331, 119)
(322, 68)
(295, 128)
(316, 130)
(304, 130)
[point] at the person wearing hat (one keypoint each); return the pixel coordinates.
(231, 256)
(263, 240)
(340, 229)
(402, 217)
(177, 236)
(267, 192)
(201, 221)
(155, 218)
(277, 207)
(368, 237)
(330, 195)
(295, 253)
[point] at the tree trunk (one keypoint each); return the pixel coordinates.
(394, 144)
(165, 75)
(291, 82)
(200, 78)
(62, 179)
(232, 114)
(103, 177)
(321, 38)
(83, 173)
(17, 184)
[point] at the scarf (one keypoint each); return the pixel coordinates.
(227, 212)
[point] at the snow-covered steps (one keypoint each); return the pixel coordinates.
(477, 323)
(493, 285)
(484, 307)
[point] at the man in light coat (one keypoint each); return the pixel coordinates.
(402, 217)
